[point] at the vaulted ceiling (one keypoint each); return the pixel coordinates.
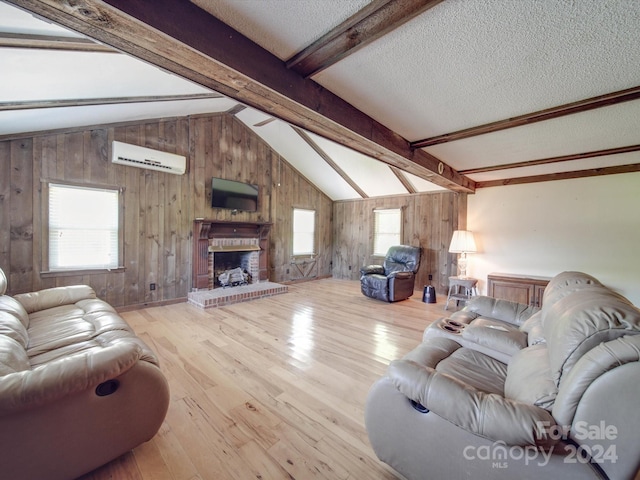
(364, 98)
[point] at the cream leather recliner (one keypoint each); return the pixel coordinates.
(77, 387)
(501, 390)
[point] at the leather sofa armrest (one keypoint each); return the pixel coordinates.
(504, 310)
(372, 269)
(485, 414)
(66, 376)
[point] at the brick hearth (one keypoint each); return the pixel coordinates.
(227, 296)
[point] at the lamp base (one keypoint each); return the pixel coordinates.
(462, 265)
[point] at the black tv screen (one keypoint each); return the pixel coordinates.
(234, 195)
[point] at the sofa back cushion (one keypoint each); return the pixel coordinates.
(595, 363)
(54, 297)
(12, 327)
(13, 339)
(13, 357)
(564, 284)
(402, 258)
(529, 378)
(11, 306)
(3, 283)
(576, 323)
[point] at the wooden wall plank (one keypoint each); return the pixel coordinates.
(20, 274)
(74, 157)
(5, 206)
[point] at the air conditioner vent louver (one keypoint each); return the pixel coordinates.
(142, 157)
(145, 162)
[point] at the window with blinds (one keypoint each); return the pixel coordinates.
(387, 230)
(304, 228)
(83, 228)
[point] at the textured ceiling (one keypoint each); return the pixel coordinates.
(457, 65)
(281, 26)
(466, 63)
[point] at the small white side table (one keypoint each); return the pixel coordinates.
(461, 289)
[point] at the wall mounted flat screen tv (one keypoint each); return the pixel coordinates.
(234, 195)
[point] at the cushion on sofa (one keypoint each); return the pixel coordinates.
(533, 328)
(12, 327)
(53, 297)
(564, 283)
(488, 415)
(504, 310)
(583, 320)
(495, 335)
(474, 368)
(432, 353)
(85, 325)
(529, 378)
(596, 362)
(12, 306)
(13, 358)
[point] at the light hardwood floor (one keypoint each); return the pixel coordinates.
(273, 388)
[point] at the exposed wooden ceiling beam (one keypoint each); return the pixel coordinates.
(265, 122)
(529, 118)
(182, 38)
(362, 28)
(236, 109)
(84, 102)
(592, 172)
(403, 180)
(318, 149)
(50, 42)
(562, 158)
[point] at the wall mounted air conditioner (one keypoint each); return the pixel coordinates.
(142, 157)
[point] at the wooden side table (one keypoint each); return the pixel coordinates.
(461, 289)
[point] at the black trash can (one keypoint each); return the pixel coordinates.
(429, 294)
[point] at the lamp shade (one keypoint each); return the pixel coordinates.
(462, 242)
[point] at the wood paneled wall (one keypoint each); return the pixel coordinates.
(159, 208)
(429, 220)
(224, 147)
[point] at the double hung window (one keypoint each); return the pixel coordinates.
(304, 228)
(84, 228)
(387, 230)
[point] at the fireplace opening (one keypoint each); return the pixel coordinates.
(232, 268)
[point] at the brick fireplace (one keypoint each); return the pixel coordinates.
(214, 237)
(244, 242)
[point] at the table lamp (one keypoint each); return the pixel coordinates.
(462, 242)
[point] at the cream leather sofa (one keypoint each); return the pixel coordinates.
(501, 390)
(77, 387)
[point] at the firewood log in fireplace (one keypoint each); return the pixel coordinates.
(233, 277)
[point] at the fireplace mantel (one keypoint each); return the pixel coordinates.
(204, 230)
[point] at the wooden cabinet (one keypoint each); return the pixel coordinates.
(517, 288)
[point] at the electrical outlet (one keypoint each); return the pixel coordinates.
(152, 286)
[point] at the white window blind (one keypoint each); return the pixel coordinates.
(304, 225)
(83, 228)
(387, 229)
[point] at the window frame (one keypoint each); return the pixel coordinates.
(46, 271)
(374, 236)
(293, 233)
